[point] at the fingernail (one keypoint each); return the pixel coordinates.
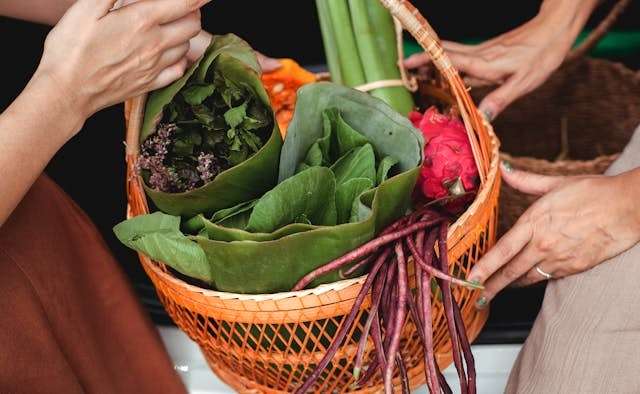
(488, 114)
(481, 303)
(507, 166)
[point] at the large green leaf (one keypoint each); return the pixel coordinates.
(250, 179)
(231, 45)
(158, 236)
(358, 163)
(307, 197)
(218, 232)
(279, 212)
(346, 137)
(385, 167)
(276, 265)
(319, 152)
(346, 195)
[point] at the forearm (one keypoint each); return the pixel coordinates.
(47, 12)
(32, 130)
(571, 13)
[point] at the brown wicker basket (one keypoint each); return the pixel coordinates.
(576, 123)
(267, 343)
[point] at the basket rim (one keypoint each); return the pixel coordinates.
(559, 163)
(483, 194)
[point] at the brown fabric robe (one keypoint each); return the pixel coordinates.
(69, 322)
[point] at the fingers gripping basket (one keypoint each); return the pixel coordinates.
(267, 343)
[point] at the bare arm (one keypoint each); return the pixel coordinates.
(93, 58)
(522, 59)
(47, 12)
(32, 130)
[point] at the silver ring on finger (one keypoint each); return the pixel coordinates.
(546, 275)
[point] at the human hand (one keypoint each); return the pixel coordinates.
(99, 56)
(200, 43)
(520, 60)
(578, 223)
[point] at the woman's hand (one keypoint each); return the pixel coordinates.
(522, 59)
(200, 43)
(578, 223)
(98, 56)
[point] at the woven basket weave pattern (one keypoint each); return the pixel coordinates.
(267, 344)
(597, 102)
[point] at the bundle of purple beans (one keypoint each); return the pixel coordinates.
(392, 301)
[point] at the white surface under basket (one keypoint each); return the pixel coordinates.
(493, 363)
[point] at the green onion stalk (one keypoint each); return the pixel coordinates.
(360, 46)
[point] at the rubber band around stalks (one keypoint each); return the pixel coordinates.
(266, 343)
(409, 82)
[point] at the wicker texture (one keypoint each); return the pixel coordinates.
(577, 123)
(267, 343)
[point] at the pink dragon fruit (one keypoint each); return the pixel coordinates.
(449, 168)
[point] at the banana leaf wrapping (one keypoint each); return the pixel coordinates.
(234, 60)
(347, 169)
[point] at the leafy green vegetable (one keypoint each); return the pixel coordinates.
(158, 236)
(235, 116)
(358, 163)
(196, 94)
(308, 197)
(385, 167)
(390, 133)
(347, 169)
(347, 194)
(220, 144)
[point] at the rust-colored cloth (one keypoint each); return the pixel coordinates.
(69, 321)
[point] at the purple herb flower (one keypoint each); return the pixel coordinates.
(165, 173)
(154, 151)
(207, 166)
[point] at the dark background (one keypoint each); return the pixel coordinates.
(91, 167)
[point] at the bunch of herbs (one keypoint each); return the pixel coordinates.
(206, 129)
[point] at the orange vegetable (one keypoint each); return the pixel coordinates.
(282, 85)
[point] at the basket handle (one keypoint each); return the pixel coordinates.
(594, 37)
(134, 115)
(413, 21)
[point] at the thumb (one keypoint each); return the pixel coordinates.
(495, 102)
(530, 183)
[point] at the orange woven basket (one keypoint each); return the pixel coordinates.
(268, 343)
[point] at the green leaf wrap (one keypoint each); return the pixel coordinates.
(248, 180)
